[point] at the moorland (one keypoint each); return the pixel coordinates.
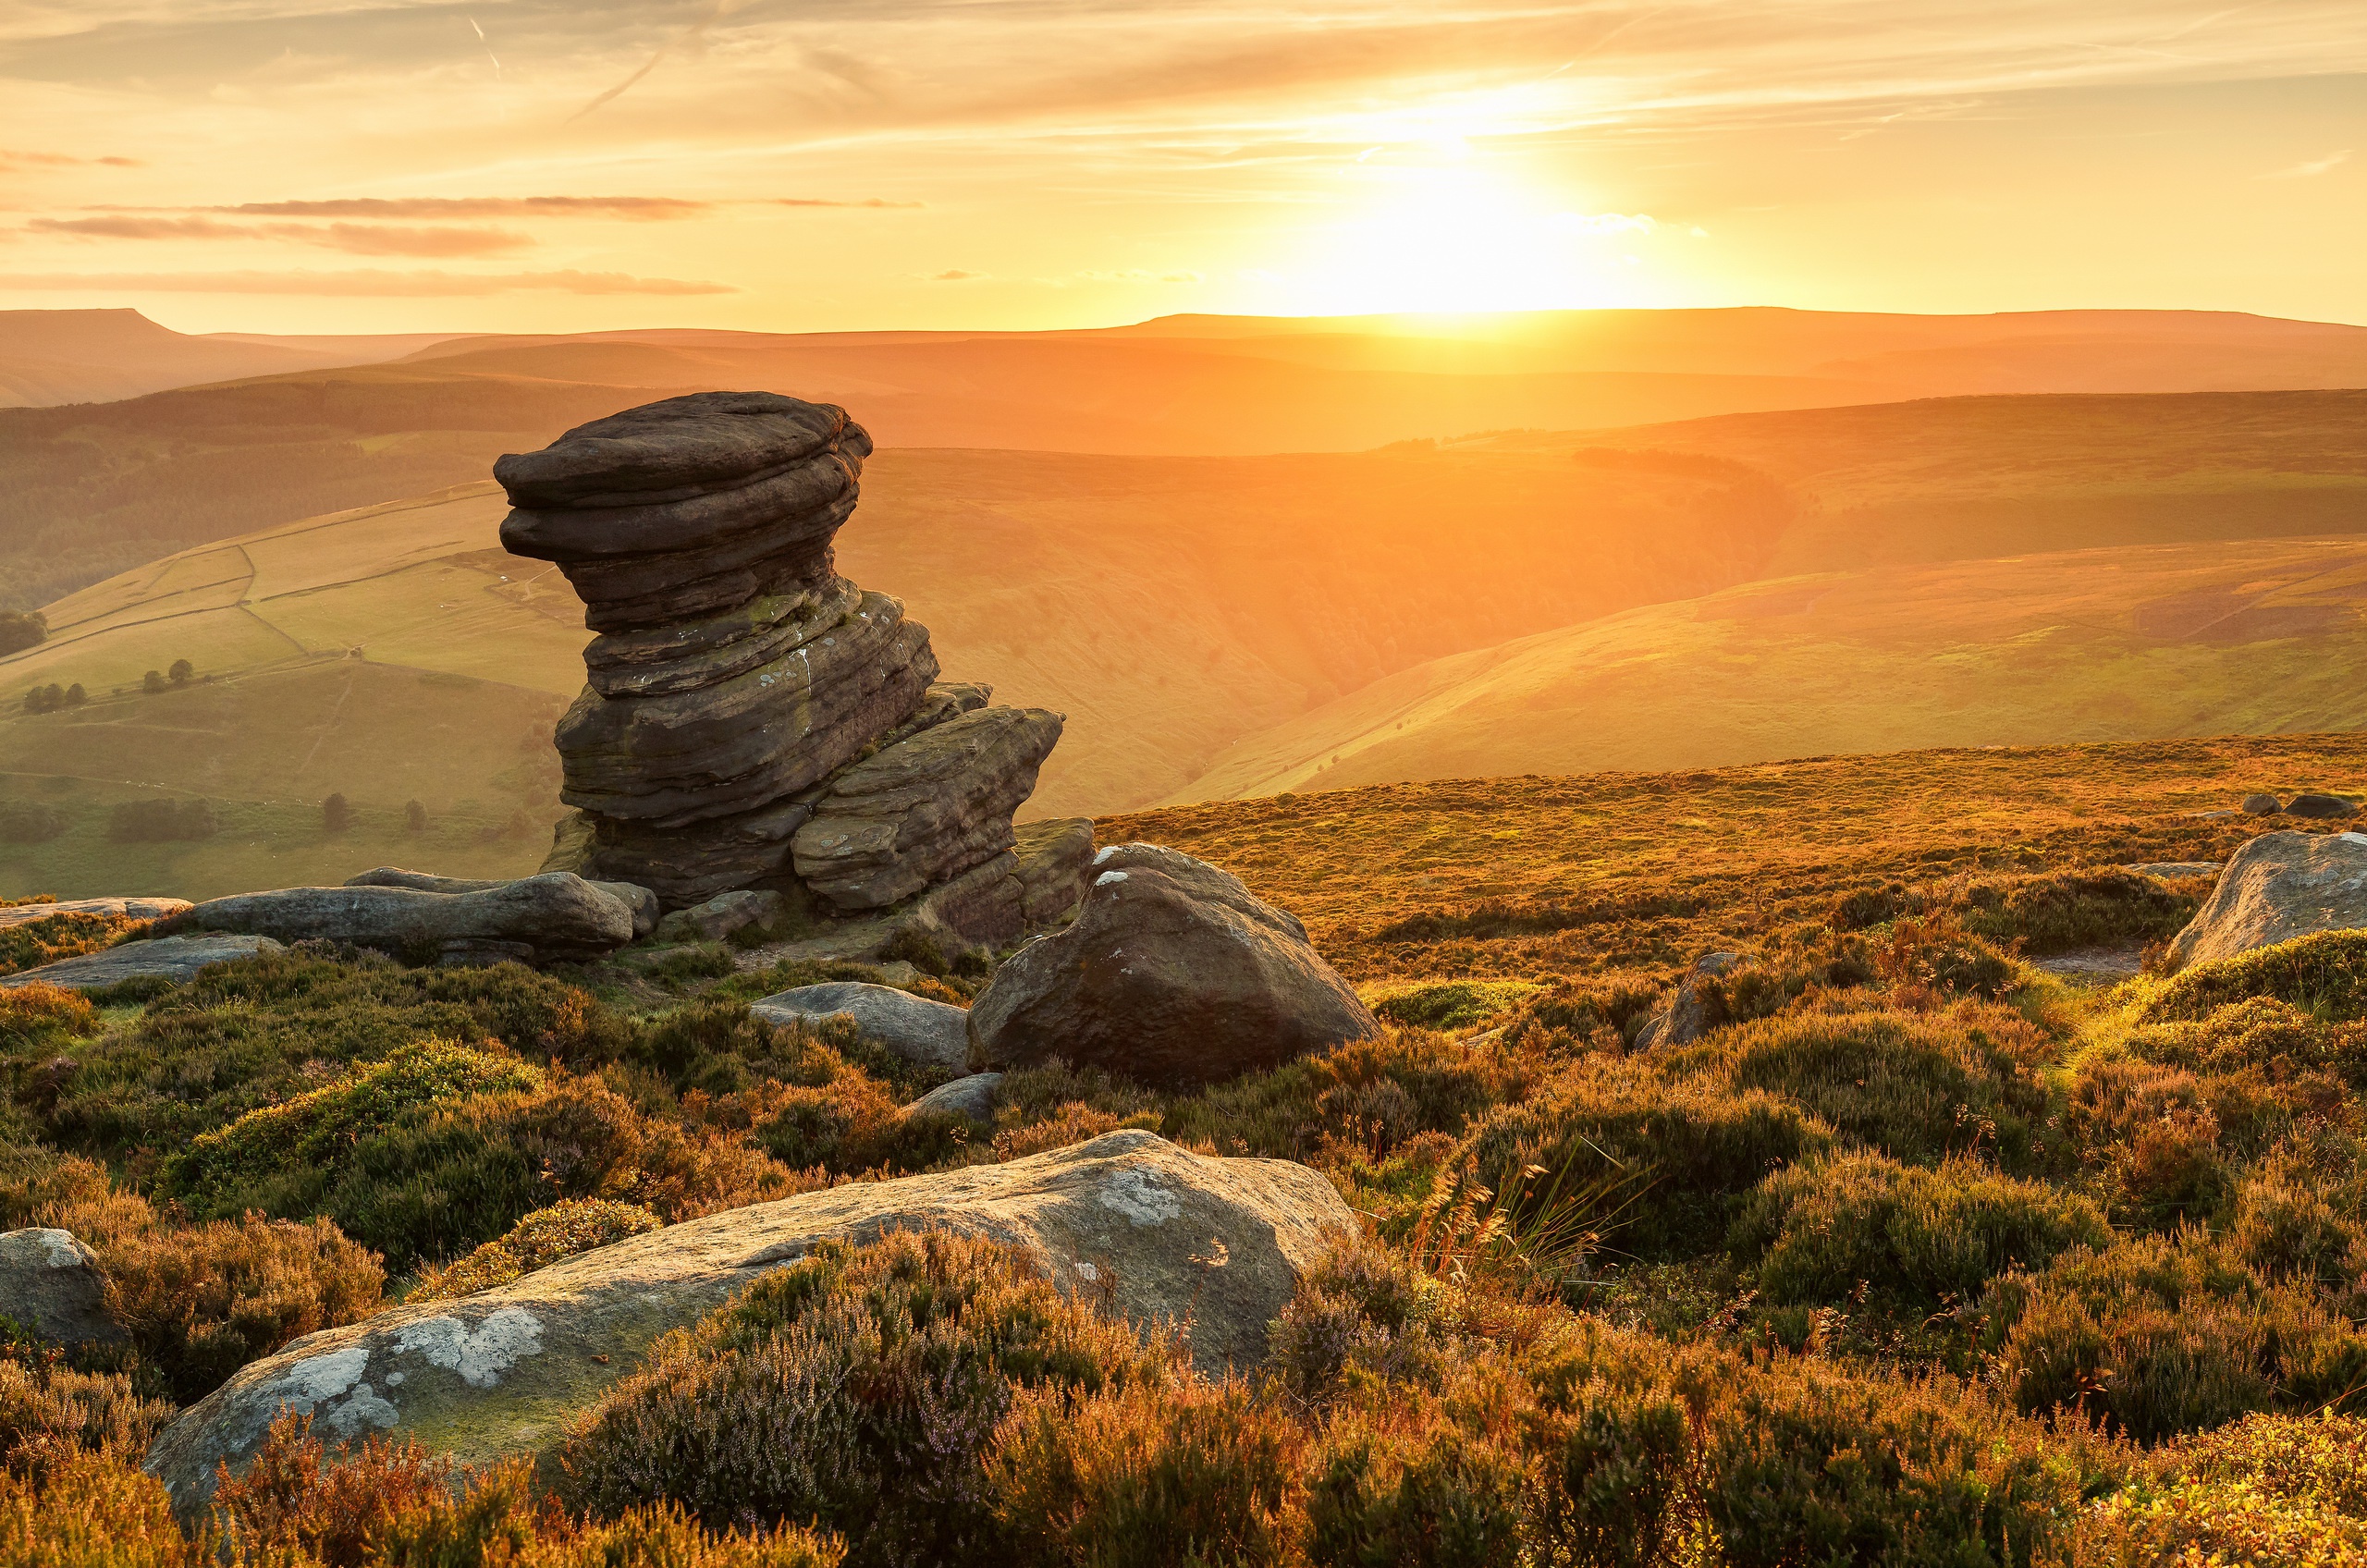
(1935, 1248)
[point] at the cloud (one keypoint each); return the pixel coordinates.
(955, 274)
(640, 209)
(716, 12)
(1142, 275)
(24, 159)
(354, 239)
(2314, 166)
(825, 201)
(358, 284)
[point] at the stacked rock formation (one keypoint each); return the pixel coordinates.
(752, 719)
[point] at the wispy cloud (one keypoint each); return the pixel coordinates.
(360, 284)
(875, 204)
(639, 209)
(2314, 166)
(23, 158)
(354, 239)
(955, 274)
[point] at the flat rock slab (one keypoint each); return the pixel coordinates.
(926, 1033)
(2279, 887)
(51, 1284)
(120, 909)
(177, 959)
(556, 914)
(641, 901)
(1169, 1234)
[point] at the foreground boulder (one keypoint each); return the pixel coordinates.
(641, 901)
(926, 1033)
(177, 959)
(119, 909)
(1687, 1017)
(2276, 888)
(1165, 1234)
(51, 1284)
(534, 919)
(1173, 973)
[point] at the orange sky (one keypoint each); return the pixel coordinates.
(556, 164)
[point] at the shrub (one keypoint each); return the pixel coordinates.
(1434, 1083)
(46, 1407)
(2285, 1229)
(1697, 1141)
(1807, 1466)
(2156, 1336)
(1438, 1496)
(1574, 1013)
(155, 822)
(288, 1498)
(2265, 1032)
(25, 823)
(1935, 952)
(94, 1511)
(1917, 1236)
(202, 1301)
(2087, 907)
(37, 1009)
(2154, 1138)
(1362, 1315)
(1451, 1004)
(51, 937)
(2267, 1490)
(1615, 1458)
(1145, 1474)
(859, 1388)
(1915, 1088)
(568, 1227)
(2323, 974)
(220, 1169)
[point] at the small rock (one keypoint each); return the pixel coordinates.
(121, 908)
(1173, 973)
(720, 916)
(923, 1032)
(559, 914)
(51, 1284)
(177, 959)
(2320, 807)
(897, 972)
(1687, 1017)
(973, 1097)
(1217, 1245)
(2279, 887)
(2263, 805)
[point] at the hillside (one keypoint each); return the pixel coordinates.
(53, 357)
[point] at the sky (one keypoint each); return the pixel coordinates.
(543, 165)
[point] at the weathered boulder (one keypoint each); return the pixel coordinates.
(972, 1098)
(725, 915)
(120, 909)
(2320, 807)
(177, 959)
(51, 1284)
(641, 901)
(930, 1034)
(2263, 805)
(688, 864)
(688, 654)
(925, 809)
(1053, 856)
(553, 915)
(669, 450)
(2276, 888)
(1167, 1234)
(1686, 1016)
(1173, 973)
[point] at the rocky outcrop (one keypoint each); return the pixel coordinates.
(1159, 1233)
(723, 916)
(926, 1033)
(1173, 973)
(177, 959)
(2279, 887)
(641, 901)
(924, 808)
(51, 1284)
(555, 915)
(751, 719)
(1687, 1017)
(119, 909)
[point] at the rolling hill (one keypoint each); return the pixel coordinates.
(52, 357)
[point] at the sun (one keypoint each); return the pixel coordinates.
(1452, 240)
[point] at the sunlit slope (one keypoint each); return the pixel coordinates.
(1963, 477)
(2114, 644)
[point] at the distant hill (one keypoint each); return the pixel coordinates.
(53, 357)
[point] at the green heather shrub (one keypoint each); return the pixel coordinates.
(56, 936)
(568, 1227)
(1808, 1466)
(1429, 1493)
(2159, 1335)
(1917, 1088)
(1145, 1474)
(2265, 1032)
(1362, 1317)
(2087, 907)
(857, 1389)
(2269, 1491)
(94, 1511)
(1375, 1093)
(1452, 1004)
(1613, 1444)
(1915, 1235)
(2152, 1135)
(2287, 1229)
(1935, 953)
(39, 1011)
(1688, 1146)
(221, 1170)
(2323, 974)
(200, 1302)
(46, 1406)
(1576, 1013)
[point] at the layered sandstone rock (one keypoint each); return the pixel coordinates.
(751, 719)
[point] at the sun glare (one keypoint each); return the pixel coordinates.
(1449, 240)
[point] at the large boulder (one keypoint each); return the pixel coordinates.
(641, 901)
(926, 809)
(2279, 887)
(51, 1284)
(554, 916)
(1173, 973)
(722, 916)
(119, 909)
(972, 1098)
(1218, 1244)
(926, 1033)
(177, 959)
(2321, 807)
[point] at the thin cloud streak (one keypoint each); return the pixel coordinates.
(354, 239)
(2314, 167)
(360, 284)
